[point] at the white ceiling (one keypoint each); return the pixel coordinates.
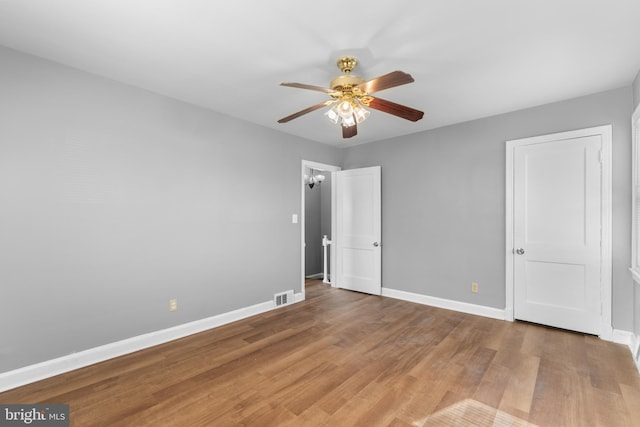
(470, 58)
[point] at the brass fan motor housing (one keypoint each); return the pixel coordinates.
(346, 82)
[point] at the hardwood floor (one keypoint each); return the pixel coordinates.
(347, 359)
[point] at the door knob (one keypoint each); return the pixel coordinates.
(376, 244)
(520, 251)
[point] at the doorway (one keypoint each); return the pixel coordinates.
(317, 214)
(558, 256)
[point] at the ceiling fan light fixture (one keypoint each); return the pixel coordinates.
(312, 180)
(350, 94)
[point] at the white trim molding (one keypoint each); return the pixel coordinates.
(605, 132)
(322, 167)
(463, 307)
(634, 346)
(622, 337)
(635, 185)
(50, 368)
(631, 340)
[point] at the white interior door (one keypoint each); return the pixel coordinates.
(557, 222)
(358, 230)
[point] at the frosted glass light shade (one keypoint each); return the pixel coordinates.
(361, 114)
(345, 109)
(348, 121)
(332, 115)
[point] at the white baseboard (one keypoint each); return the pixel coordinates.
(50, 368)
(634, 346)
(622, 337)
(479, 310)
(607, 333)
(315, 276)
(630, 340)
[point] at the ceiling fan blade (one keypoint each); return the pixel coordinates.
(348, 132)
(310, 87)
(396, 109)
(393, 79)
(305, 111)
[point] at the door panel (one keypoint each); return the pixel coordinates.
(557, 217)
(555, 284)
(358, 230)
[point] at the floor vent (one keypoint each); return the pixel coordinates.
(283, 298)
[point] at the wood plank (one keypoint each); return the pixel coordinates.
(521, 384)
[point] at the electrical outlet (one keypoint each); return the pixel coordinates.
(173, 304)
(474, 287)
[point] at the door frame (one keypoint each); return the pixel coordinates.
(324, 167)
(605, 133)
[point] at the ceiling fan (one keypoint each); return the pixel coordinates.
(352, 93)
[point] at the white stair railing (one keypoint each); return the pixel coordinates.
(325, 243)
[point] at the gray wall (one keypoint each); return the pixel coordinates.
(115, 200)
(443, 207)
